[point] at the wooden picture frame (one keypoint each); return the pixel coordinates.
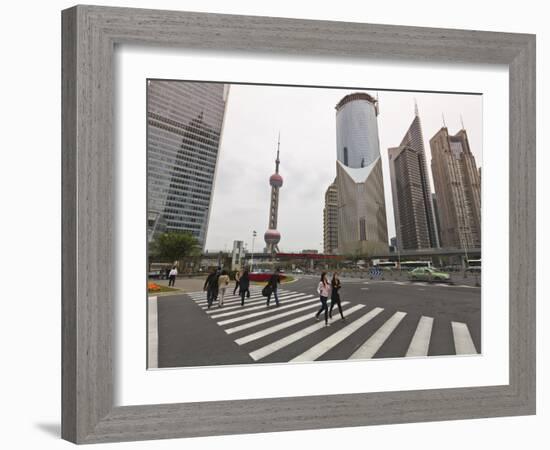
(90, 34)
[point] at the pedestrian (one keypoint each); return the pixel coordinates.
(172, 276)
(273, 283)
(211, 287)
(223, 282)
(167, 273)
(335, 285)
(238, 274)
(244, 286)
(323, 289)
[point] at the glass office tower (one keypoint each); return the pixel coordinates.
(184, 126)
(415, 223)
(362, 227)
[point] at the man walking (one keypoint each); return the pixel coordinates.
(274, 282)
(172, 276)
(211, 287)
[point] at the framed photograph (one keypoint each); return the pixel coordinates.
(277, 224)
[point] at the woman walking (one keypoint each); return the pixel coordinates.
(244, 284)
(324, 292)
(223, 282)
(335, 295)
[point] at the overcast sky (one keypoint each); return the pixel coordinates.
(306, 119)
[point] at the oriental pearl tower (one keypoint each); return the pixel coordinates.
(272, 236)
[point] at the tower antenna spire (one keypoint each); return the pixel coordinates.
(443, 117)
(461, 121)
(415, 108)
(277, 161)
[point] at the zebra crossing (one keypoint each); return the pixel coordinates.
(290, 333)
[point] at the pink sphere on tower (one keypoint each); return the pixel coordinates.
(276, 180)
(272, 237)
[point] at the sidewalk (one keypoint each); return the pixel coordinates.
(184, 284)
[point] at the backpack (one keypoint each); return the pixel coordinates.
(267, 290)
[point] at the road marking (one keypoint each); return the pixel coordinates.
(268, 319)
(269, 311)
(203, 302)
(291, 338)
(229, 292)
(325, 345)
(278, 327)
(204, 305)
(365, 289)
(421, 339)
(152, 333)
(219, 312)
(373, 344)
(233, 303)
(463, 340)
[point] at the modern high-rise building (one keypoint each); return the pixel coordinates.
(436, 215)
(330, 220)
(184, 126)
(362, 227)
(415, 224)
(458, 189)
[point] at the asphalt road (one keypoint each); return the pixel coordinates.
(385, 319)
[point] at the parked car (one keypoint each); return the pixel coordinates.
(155, 274)
(428, 274)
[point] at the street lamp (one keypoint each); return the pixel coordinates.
(254, 234)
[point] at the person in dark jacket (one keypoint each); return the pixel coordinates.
(336, 284)
(244, 286)
(274, 282)
(211, 287)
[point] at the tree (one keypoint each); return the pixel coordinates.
(175, 245)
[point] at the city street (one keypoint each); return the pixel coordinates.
(385, 319)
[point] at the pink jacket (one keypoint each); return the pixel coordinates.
(323, 289)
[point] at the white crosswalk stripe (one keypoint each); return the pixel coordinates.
(421, 339)
(271, 318)
(263, 331)
(203, 299)
(268, 311)
(233, 298)
(325, 345)
(215, 313)
(369, 348)
(287, 340)
(228, 299)
(228, 306)
(232, 304)
(278, 327)
(463, 340)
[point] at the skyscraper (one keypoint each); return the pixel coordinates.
(415, 224)
(272, 236)
(184, 125)
(330, 220)
(362, 227)
(458, 189)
